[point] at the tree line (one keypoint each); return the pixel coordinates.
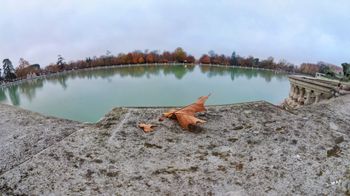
(179, 55)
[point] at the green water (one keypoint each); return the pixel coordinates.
(88, 95)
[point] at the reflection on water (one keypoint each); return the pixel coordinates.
(241, 72)
(14, 95)
(137, 86)
(2, 96)
(29, 88)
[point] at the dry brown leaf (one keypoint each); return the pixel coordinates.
(198, 106)
(185, 115)
(186, 119)
(170, 113)
(146, 127)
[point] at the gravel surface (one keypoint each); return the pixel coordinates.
(244, 149)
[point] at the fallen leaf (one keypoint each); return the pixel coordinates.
(185, 116)
(335, 151)
(186, 119)
(170, 113)
(239, 166)
(146, 127)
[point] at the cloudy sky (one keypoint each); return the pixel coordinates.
(295, 30)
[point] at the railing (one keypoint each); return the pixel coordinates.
(308, 90)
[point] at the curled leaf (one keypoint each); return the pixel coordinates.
(185, 119)
(170, 113)
(146, 127)
(185, 115)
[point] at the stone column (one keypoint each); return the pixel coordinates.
(296, 93)
(301, 96)
(291, 91)
(308, 97)
(318, 96)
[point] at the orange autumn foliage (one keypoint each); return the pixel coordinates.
(185, 116)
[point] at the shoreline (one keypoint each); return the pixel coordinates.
(45, 76)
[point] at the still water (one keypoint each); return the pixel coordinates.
(87, 95)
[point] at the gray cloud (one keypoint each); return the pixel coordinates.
(298, 31)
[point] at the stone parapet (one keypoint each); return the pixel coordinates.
(308, 90)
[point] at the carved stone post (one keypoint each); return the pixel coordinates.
(318, 96)
(301, 96)
(296, 93)
(308, 97)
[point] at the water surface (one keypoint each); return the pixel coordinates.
(88, 95)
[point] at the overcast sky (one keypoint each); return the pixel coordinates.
(295, 30)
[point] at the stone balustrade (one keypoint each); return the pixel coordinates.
(307, 90)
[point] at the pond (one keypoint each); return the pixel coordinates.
(87, 95)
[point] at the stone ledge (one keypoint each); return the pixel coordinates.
(251, 148)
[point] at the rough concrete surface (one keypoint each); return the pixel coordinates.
(243, 149)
